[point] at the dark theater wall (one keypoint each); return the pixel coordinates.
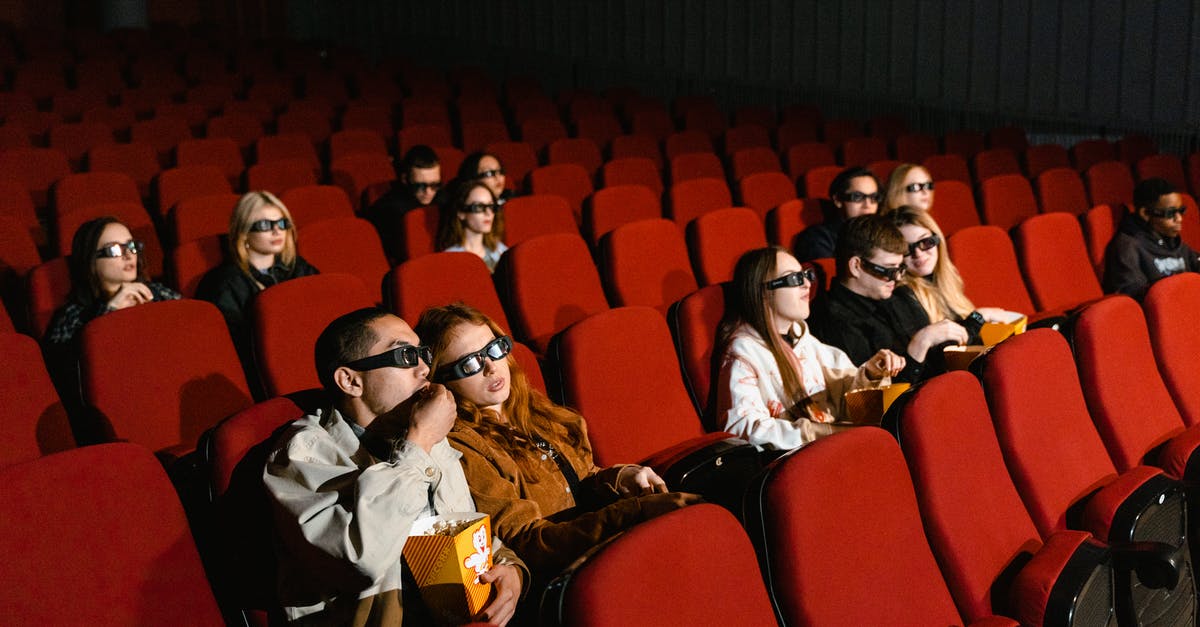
(1073, 67)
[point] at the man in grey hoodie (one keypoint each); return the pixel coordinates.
(1147, 246)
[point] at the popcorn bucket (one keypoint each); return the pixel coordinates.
(866, 406)
(993, 333)
(446, 554)
(960, 357)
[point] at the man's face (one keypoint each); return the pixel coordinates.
(425, 183)
(1166, 215)
(866, 191)
(385, 388)
(875, 278)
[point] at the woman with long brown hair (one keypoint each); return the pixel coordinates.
(779, 387)
(528, 461)
(473, 221)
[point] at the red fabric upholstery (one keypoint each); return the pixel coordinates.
(817, 181)
(787, 220)
(864, 150)
(569, 180)
(1054, 258)
(313, 124)
(1061, 189)
(950, 166)
(280, 175)
(717, 239)
(1051, 447)
(633, 407)
(1131, 407)
(287, 320)
(693, 321)
(836, 547)
(428, 134)
(538, 132)
(696, 165)
(806, 156)
(189, 262)
(955, 206)
(646, 263)
(36, 420)
(1169, 306)
(1100, 512)
(754, 160)
(987, 262)
(358, 172)
(1167, 167)
(18, 255)
(164, 133)
(418, 284)
(37, 168)
(202, 216)
(915, 147)
(286, 146)
(1030, 591)
(313, 203)
(76, 138)
(1088, 152)
(693, 198)
(836, 131)
(687, 141)
(795, 131)
(764, 191)
(347, 245)
(1099, 226)
(222, 152)
(662, 578)
(632, 171)
(355, 140)
(517, 158)
(1007, 199)
(80, 191)
(179, 373)
(526, 217)
(110, 533)
(638, 145)
(242, 129)
(1044, 157)
(1134, 147)
(611, 207)
(546, 284)
(49, 284)
(131, 214)
(1109, 183)
(177, 184)
(578, 150)
(995, 162)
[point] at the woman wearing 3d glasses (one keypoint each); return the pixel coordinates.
(107, 274)
(486, 168)
(472, 221)
(260, 253)
(911, 185)
(527, 460)
(779, 386)
(934, 279)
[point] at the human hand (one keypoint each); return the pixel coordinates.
(934, 334)
(885, 363)
(634, 480)
(996, 314)
(506, 581)
(658, 504)
(432, 416)
(130, 294)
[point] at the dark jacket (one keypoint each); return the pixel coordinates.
(387, 214)
(862, 326)
(818, 240)
(1138, 256)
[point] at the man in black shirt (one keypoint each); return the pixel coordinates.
(855, 192)
(865, 310)
(1147, 246)
(418, 180)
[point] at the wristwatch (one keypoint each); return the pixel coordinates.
(977, 318)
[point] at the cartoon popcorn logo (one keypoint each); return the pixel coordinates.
(478, 561)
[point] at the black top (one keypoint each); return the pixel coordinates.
(1138, 256)
(386, 214)
(70, 318)
(862, 326)
(818, 240)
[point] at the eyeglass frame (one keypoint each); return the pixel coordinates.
(806, 276)
(404, 356)
(266, 226)
(857, 197)
(883, 273)
(481, 207)
(1166, 213)
(487, 174)
(434, 186)
(914, 188)
(118, 249)
(927, 243)
(455, 371)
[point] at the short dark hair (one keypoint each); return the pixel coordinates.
(345, 339)
(1150, 190)
(418, 157)
(841, 183)
(862, 235)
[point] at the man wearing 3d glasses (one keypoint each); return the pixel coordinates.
(1147, 246)
(418, 182)
(867, 309)
(854, 192)
(347, 483)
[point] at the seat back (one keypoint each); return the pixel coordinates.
(696, 165)
(569, 180)
(646, 263)
(1167, 167)
(995, 162)
(673, 581)
(915, 147)
(755, 160)
(202, 216)
(789, 219)
(286, 146)
(313, 203)
(1088, 152)
(48, 285)
(834, 510)
(1007, 200)
(806, 156)
(611, 207)
(1011, 137)
(1061, 189)
(179, 373)
(80, 191)
(632, 171)
(951, 166)
(360, 172)
(1099, 227)
(190, 261)
(1109, 183)
(289, 316)
(578, 150)
(177, 184)
(687, 141)
(818, 180)
(1053, 453)
(37, 168)
(517, 158)
(634, 407)
(764, 191)
(37, 421)
(222, 152)
(418, 284)
(529, 216)
(347, 245)
(1054, 258)
(111, 531)
(637, 145)
(280, 175)
(1126, 397)
(696, 197)
(693, 321)
(955, 206)
(1169, 307)
(717, 239)
(1044, 157)
(985, 258)
(863, 150)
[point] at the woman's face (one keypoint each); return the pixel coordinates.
(113, 271)
(920, 262)
(788, 304)
(271, 241)
(491, 174)
(489, 387)
(480, 222)
(921, 199)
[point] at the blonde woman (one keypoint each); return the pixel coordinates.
(261, 252)
(909, 185)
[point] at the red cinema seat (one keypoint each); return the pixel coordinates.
(818, 180)
(995, 162)
(808, 155)
(915, 147)
(313, 124)
(203, 216)
(135, 159)
(280, 175)
(864, 150)
(745, 136)
(164, 133)
(418, 284)
(1044, 157)
(77, 138)
(1167, 167)
(717, 239)
(836, 131)
(364, 176)
(1007, 199)
(690, 199)
(789, 219)
(80, 191)
(1061, 189)
(286, 147)
(1133, 148)
(37, 168)
(1010, 137)
(611, 207)
(112, 531)
(696, 165)
(346, 245)
(954, 205)
(1055, 262)
(1099, 227)
(180, 374)
(764, 191)
(428, 134)
(569, 180)
(687, 141)
(37, 420)
(646, 263)
(176, 184)
(191, 260)
(242, 128)
(636, 145)
(355, 140)
(222, 152)
(539, 132)
(313, 203)
(632, 171)
(526, 217)
(48, 285)
(517, 158)
(985, 258)
(693, 320)
(580, 151)
(1168, 307)
(1109, 183)
(1088, 152)
(950, 166)
(753, 160)
(418, 228)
